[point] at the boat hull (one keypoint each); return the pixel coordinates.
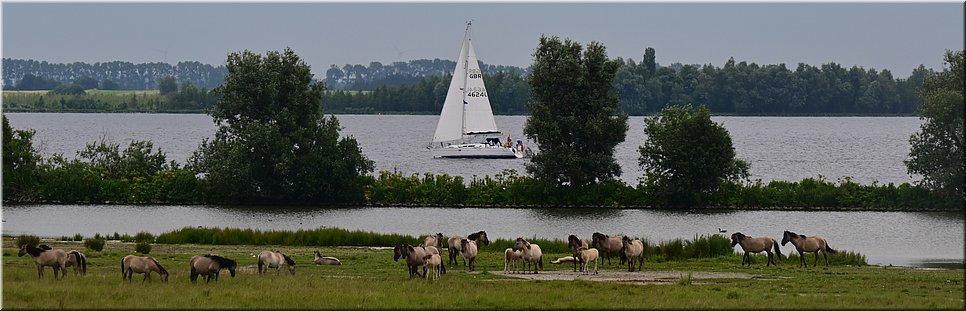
(477, 151)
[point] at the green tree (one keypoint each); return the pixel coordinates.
(937, 149)
(687, 157)
(68, 89)
(86, 82)
(167, 85)
(109, 85)
(574, 116)
(273, 144)
(20, 161)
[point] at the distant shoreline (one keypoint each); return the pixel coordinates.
(436, 113)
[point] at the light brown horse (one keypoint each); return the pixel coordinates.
(633, 250)
(56, 258)
(532, 254)
(434, 240)
(332, 261)
(210, 266)
(575, 245)
(131, 264)
(413, 256)
(270, 259)
(756, 245)
(454, 247)
(811, 244)
(608, 245)
(78, 261)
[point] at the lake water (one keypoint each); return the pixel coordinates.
(778, 148)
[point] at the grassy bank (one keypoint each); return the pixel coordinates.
(370, 279)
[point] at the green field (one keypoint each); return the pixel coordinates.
(369, 278)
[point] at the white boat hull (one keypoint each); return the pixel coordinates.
(478, 151)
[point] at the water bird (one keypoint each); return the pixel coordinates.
(722, 231)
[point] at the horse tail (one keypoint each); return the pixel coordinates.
(541, 263)
(829, 249)
(777, 250)
(442, 267)
(260, 264)
(122, 267)
(82, 261)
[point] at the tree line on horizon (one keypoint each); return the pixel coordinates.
(643, 87)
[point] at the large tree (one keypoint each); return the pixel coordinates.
(273, 144)
(937, 149)
(20, 163)
(687, 157)
(574, 117)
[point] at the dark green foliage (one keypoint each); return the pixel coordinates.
(143, 247)
(32, 82)
(86, 83)
(20, 164)
(93, 102)
(128, 76)
(30, 240)
(687, 157)
(107, 84)
(273, 144)
(574, 117)
(94, 244)
(315, 237)
(78, 237)
(937, 149)
(68, 89)
(167, 85)
(189, 98)
(819, 193)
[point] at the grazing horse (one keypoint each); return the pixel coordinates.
(811, 244)
(756, 245)
(454, 247)
(531, 254)
(270, 259)
(56, 258)
(575, 245)
(631, 250)
(608, 244)
(131, 264)
(210, 266)
(78, 261)
(332, 261)
(413, 255)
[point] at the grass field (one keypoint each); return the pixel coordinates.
(369, 278)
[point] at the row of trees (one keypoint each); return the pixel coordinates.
(358, 77)
(109, 75)
(274, 146)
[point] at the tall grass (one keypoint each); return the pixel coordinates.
(701, 246)
(840, 258)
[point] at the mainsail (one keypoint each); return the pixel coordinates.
(466, 110)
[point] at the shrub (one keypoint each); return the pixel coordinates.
(78, 237)
(95, 244)
(31, 240)
(142, 247)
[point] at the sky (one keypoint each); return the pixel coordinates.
(894, 36)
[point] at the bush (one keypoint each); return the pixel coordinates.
(143, 247)
(78, 237)
(31, 240)
(95, 244)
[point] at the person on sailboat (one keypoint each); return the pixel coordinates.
(509, 142)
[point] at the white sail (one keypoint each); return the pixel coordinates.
(450, 126)
(478, 114)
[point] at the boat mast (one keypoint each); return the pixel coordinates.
(466, 66)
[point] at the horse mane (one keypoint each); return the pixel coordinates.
(801, 236)
(222, 261)
(475, 236)
(36, 251)
(288, 260)
(44, 247)
(160, 267)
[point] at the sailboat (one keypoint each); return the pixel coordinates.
(466, 127)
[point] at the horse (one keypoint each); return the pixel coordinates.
(756, 245)
(453, 244)
(210, 266)
(531, 254)
(78, 261)
(812, 244)
(413, 255)
(469, 253)
(632, 249)
(270, 259)
(434, 240)
(432, 263)
(585, 256)
(131, 264)
(608, 245)
(575, 245)
(56, 258)
(511, 257)
(319, 260)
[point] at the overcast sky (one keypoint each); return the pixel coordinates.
(894, 36)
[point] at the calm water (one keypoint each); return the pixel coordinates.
(866, 148)
(884, 237)
(778, 148)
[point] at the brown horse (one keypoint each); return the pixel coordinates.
(56, 258)
(78, 261)
(608, 245)
(756, 245)
(811, 244)
(454, 247)
(575, 245)
(210, 266)
(413, 256)
(131, 264)
(633, 250)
